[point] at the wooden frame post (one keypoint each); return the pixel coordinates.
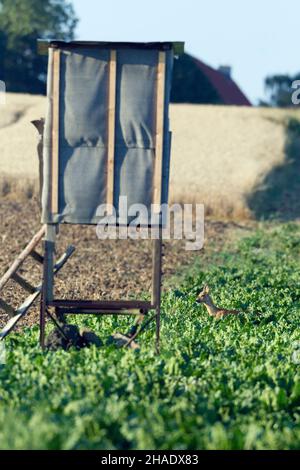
(157, 185)
(55, 131)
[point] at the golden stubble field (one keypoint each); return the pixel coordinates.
(219, 154)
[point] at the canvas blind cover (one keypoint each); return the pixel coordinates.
(101, 138)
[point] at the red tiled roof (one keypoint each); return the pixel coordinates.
(226, 88)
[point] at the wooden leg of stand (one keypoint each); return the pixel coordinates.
(47, 289)
(157, 345)
(156, 284)
(43, 300)
(42, 321)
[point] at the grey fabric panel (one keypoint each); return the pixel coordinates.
(87, 168)
(83, 131)
(135, 113)
(133, 175)
(82, 184)
(83, 103)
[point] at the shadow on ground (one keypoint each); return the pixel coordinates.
(278, 196)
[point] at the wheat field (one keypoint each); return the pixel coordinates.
(219, 154)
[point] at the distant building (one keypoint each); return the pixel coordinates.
(196, 82)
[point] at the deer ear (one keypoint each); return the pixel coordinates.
(39, 124)
(206, 289)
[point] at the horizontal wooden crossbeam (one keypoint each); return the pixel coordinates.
(101, 305)
(77, 311)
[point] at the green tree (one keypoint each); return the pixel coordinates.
(279, 90)
(22, 22)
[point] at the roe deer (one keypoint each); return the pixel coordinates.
(39, 124)
(213, 310)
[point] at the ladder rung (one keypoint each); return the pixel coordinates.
(23, 283)
(22, 256)
(22, 310)
(36, 256)
(7, 308)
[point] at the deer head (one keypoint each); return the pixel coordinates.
(39, 125)
(203, 296)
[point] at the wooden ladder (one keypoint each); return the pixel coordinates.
(34, 291)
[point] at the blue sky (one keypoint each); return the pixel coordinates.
(255, 37)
